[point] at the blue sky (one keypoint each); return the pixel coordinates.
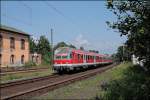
(81, 23)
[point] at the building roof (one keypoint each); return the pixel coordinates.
(11, 29)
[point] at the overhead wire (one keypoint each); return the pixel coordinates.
(61, 13)
(30, 11)
(17, 19)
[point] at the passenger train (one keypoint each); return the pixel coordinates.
(67, 59)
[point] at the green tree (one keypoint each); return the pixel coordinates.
(44, 49)
(81, 48)
(63, 44)
(133, 21)
(60, 44)
(32, 45)
(72, 46)
(122, 54)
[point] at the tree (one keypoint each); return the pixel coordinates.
(81, 48)
(32, 45)
(60, 44)
(44, 49)
(63, 44)
(122, 54)
(72, 46)
(133, 21)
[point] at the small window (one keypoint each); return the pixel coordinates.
(58, 57)
(22, 59)
(78, 56)
(0, 59)
(22, 44)
(32, 58)
(1, 41)
(12, 59)
(70, 55)
(37, 59)
(12, 42)
(81, 56)
(64, 57)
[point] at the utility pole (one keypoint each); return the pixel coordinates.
(52, 47)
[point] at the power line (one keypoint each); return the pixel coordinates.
(60, 13)
(19, 20)
(56, 10)
(15, 19)
(30, 10)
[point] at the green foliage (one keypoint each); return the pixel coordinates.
(44, 48)
(134, 85)
(81, 48)
(33, 47)
(60, 44)
(72, 46)
(122, 54)
(63, 44)
(29, 64)
(133, 20)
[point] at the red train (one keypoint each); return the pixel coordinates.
(66, 59)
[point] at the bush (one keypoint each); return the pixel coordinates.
(29, 64)
(135, 85)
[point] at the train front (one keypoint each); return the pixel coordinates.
(62, 59)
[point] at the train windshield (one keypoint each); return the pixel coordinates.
(61, 57)
(57, 57)
(62, 50)
(64, 57)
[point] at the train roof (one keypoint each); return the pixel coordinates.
(65, 50)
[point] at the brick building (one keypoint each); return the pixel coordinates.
(14, 47)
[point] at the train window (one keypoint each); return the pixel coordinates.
(70, 55)
(78, 56)
(81, 56)
(58, 57)
(97, 58)
(64, 57)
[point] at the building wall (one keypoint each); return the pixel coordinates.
(6, 51)
(35, 58)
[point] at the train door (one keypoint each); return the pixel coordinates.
(79, 58)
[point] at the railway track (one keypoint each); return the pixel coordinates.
(22, 71)
(41, 85)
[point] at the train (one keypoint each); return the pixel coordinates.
(68, 59)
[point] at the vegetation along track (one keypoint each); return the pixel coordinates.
(41, 85)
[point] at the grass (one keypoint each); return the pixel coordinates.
(86, 89)
(19, 76)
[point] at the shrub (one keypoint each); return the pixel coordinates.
(135, 85)
(29, 64)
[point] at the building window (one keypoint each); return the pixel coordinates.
(12, 42)
(1, 41)
(0, 59)
(12, 59)
(22, 59)
(37, 59)
(22, 44)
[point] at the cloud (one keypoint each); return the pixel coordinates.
(81, 41)
(103, 46)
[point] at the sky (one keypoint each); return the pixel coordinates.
(81, 23)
